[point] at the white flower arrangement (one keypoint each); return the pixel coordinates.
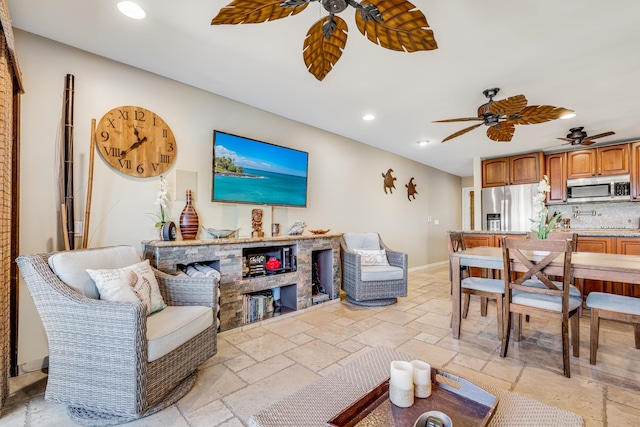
(539, 224)
(161, 200)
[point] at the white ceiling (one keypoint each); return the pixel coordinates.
(578, 54)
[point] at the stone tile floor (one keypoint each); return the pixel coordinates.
(259, 364)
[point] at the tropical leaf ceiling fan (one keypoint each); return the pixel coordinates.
(502, 116)
(392, 24)
(577, 136)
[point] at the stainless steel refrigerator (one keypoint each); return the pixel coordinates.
(508, 208)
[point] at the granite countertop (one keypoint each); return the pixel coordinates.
(594, 232)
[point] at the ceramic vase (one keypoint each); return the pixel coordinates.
(189, 222)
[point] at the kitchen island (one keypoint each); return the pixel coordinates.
(624, 241)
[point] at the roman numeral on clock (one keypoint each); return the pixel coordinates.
(111, 151)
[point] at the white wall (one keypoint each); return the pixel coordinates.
(345, 182)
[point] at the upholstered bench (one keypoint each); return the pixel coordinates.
(612, 307)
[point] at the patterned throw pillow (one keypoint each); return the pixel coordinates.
(368, 257)
(129, 284)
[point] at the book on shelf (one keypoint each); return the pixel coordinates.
(255, 307)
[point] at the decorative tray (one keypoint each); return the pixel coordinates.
(464, 402)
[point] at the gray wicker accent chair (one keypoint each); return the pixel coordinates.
(372, 285)
(110, 362)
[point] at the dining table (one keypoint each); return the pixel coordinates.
(584, 265)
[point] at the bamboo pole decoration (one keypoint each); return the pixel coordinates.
(87, 211)
(65, 236)
(68, 159)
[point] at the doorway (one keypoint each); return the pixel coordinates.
(468, 216)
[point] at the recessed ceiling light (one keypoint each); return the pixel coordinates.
(423, 142)
(568, 116)
(131, 9)
(368, 117)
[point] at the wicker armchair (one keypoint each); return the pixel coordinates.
(104, 364)
(379, 283)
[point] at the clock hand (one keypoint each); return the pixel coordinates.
(135, 145)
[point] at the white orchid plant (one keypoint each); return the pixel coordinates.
(539, 223)
(161, 201)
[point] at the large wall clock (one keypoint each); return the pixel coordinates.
(136, 141)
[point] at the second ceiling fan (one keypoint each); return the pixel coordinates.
(577, 136)
(502, 116)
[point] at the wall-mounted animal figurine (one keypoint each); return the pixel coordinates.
(411, 190)
(388, 181)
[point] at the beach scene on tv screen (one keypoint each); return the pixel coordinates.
(248, 171)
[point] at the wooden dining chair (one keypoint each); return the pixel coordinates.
(485, 288)
(574, 291)
(548, 302)
(620, 308)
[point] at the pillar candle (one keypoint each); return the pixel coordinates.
(401, 374)
(401, 384)
(421, 378)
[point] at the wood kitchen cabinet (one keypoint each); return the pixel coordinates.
(495, 172)
(635, 171)
(526, 168)
(514, 170)
(602, 245)
(556, 167)
(475, 240)
(609, 160)
(627, 246)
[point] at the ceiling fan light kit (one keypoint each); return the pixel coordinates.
(392, 24)
(501, 116)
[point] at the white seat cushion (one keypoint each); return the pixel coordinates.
(175, 325)
(547, 302)
(495, 286)
(611, 302)
(374, 273)
(71, 266)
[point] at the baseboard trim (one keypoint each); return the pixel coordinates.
(33, 365)
(426, 266)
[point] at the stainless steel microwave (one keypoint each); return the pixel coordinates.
(615, 188)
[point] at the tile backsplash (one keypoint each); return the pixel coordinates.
(600, 215)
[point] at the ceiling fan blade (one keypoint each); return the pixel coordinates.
(509, 106)
(463, 119)
(601, 135)
(403, 26)
(321, 53)
(535, 114)
(461, 132)
(501, 132)
(565, 139)
(587, 142)
(254, 12)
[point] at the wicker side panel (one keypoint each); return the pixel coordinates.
(6, 144)
(167, 372)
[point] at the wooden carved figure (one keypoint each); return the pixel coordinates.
(411, 190)
(388, 181)
(256, 223)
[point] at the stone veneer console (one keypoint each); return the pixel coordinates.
(226, 255)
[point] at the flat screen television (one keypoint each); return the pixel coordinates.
(257, 172)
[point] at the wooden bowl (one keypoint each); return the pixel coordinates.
(319, 231)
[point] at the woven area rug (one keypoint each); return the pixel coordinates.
(319, 402)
